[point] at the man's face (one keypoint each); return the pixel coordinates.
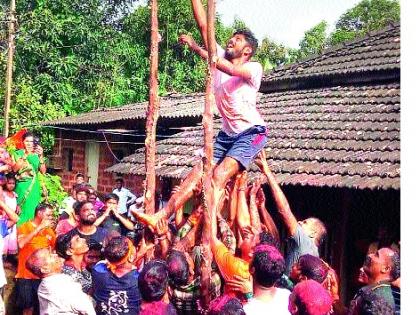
(308, 226)
(46, 214)
(92, 198)
(235, 46)
(377, 264)
(295, 273)
(10, 184)
(81, 196)
(80, 180)
(91, 258)
(111, 204)
(51, 262)
(78, 245)
(87, 214)
(248, 245)
(118, 184)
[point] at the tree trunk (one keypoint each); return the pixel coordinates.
(152, 114)
(208, 152)
(9, 66)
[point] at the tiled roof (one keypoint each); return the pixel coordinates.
(173, 106)
(336, 137)
(379, 51)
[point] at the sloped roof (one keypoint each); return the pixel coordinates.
(172, 106)
(343, 136)
(377, 52)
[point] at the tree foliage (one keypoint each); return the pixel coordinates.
(366, 16)
(313, 42)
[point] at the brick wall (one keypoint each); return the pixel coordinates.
(78, 147)
(106, 181)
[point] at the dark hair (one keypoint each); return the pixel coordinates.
(396, 268)
(178, 268)
(116, 248)
(42, 207)
(313, 268)
(78, 205)
(79, 175)
(269, 265)
(153, 280)
(226, 305)
(81, 188)
(111, 196)
(63, 243)
(267, 239)
(249, 37)
(119, 180)
(374, 304)
(27, 135)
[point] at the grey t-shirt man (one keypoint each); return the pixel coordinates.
(297, 245)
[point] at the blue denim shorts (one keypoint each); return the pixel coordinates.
(242, 147)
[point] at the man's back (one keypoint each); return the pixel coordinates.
(60, 294)
(278, 304)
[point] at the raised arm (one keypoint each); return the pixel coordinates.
(242, 215)
(253, 209)
(200, 16)
(280, 199)
(222, 64)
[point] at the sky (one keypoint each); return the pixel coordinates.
(284, 21)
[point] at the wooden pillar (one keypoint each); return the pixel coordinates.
(9, 65)
(152, 114)
(208, 151)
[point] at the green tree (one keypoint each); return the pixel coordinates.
(270, 54)
(368, 15)
(313, 42)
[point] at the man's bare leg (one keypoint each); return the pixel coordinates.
(221, 175)
(177, 200)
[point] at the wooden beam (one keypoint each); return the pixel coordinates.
(9, 65)
(208, 152)
(152, 114)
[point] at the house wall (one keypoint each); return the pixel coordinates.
(77, 144)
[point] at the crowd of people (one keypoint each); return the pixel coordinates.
(101, 254)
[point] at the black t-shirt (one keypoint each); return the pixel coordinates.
(97, 237)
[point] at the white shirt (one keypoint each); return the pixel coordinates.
(279, 305)
(60, 294)
(236, 98)
(125, 196)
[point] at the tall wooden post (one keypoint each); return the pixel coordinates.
(152, 114)
(9, 66)
(208, 151)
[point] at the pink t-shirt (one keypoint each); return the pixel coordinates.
(236, 98)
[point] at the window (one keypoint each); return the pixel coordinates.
(68, 159)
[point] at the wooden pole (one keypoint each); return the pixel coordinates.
(9, 66)
(152, 114)
(208, 151)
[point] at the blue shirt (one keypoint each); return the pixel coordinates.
(115, 295)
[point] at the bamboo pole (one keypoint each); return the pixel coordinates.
(9, 66)
(208, 152)
(152, 114)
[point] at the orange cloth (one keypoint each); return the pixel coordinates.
(44, 239)
(230, 265)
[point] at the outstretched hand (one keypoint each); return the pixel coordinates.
(161, 227)
(186, 40)
(261, 161)
(240, 284)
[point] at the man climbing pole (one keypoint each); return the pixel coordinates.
(243, 135)
(236, 83)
